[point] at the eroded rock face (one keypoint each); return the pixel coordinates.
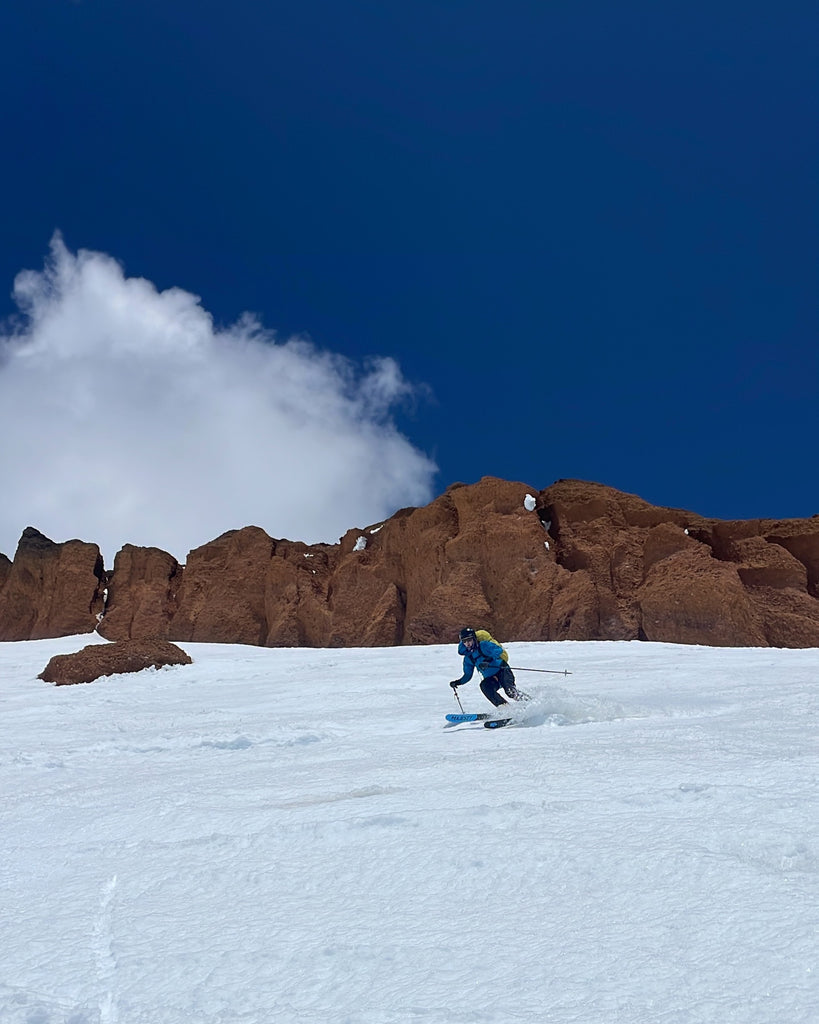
(586, 563)
(691, 598)
(5, 569)
(141, 599)
(51, 589)
(110, 659)
(473, 553)
(671, 575)
(221, 597)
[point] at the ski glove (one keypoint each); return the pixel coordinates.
(455, 684)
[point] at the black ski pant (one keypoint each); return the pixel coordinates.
(503, 679)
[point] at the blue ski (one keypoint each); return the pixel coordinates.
(496, 723)
(456, 719)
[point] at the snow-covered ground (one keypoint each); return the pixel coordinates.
(294, 835)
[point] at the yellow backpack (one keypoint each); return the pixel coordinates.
(483, 634)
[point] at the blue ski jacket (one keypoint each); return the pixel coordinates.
(484, 656)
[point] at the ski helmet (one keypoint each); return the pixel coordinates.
(467, 633)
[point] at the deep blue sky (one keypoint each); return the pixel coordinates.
(590, 228)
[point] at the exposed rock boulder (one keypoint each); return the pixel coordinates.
(51, 589)
(110, 659)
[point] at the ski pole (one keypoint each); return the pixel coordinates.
(458, 700)
(551, 671)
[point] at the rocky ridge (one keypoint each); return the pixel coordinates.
(576, 561)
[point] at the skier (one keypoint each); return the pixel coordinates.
(487, 657)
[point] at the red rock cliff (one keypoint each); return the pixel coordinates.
(588, 562)
(50, 589)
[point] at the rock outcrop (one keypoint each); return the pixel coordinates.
(147, 579)
(474, 553)
(667, 574)
(98, 660)
(5, 569)
(51, 589)
(579, 562)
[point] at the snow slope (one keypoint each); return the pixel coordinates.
(294, 835)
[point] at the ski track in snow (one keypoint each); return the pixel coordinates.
(295, 835)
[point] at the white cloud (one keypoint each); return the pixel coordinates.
(126, 416)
